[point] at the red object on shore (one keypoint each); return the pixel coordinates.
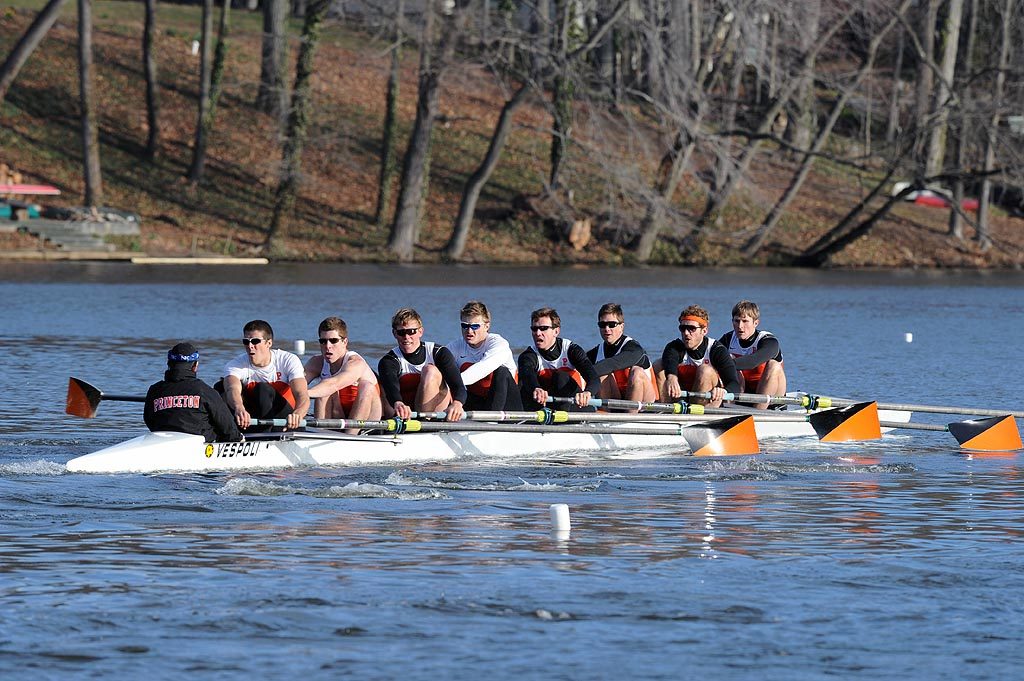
(937, 201)
(35, 189)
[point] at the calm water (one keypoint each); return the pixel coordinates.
(894, 559)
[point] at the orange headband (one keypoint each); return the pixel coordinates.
(702, 323)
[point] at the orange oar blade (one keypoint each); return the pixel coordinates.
(995, 434)
(83, 399)
(731, 436)
(856, 422)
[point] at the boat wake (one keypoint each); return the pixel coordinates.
(355, 490)
(38, 467)
(403, 479)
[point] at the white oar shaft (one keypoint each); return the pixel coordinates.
(935, 409)
(591, 417)
(392, 426)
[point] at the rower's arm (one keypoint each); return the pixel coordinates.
(630, 355)
(350, 375)
(387, 374)
(767, 350)
(444, 360)
(496, 350)
(528, 368)
(578, 357)
(726, 367)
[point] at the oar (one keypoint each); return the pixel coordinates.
(727, 436)
(84, 399)
(856, 422)
(810, 401)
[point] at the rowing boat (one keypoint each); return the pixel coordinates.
(178, 452)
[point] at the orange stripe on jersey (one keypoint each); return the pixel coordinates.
(280, 387)
(546, 377)
(408, 384)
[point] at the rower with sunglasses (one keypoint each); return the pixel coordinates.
(697, 363)
(486, 362)
(346, 387)
(264, 382)
(418, 374)
(625, 369)
(555, 366)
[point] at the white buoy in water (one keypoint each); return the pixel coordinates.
(909, 337)
(560, 518)
(300, 347)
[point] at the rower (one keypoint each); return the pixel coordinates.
(486, 362)
(696, 363)
(183, 403)
(554, 366)
(418, 374)
(264, 382)
(621, 363)
(345, 386)
(757, 353)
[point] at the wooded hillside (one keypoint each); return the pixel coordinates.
(691, 132)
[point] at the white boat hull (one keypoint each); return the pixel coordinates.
(178, 452)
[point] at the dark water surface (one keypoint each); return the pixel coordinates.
(893, 559)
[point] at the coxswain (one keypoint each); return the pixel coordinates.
(554, 366)
(757, 354)
(264, 382)
(343, 384)
(486, 362)
(696, 363)
(625, 370)
(182, 403)
(417, 374)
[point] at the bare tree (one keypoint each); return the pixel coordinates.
(216, 78)
(152, 85)
(272, 96)
(90, 126)
(389, 140)
(941, 108)
(435, 54)
(195, 170)
(27, 44)
(296, 130)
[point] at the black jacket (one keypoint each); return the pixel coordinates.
(182, 403)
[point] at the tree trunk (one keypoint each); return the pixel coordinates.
(561, 95)
(152, 84)
(982, 236)
(406, 225)
(673, 164)
(956, 220)
(272, 97)
(803, 118)
(471, 194)
(821, 137)
(893, 124)
(389, 141)
(195, 170)
(295, 132)
(90, 127)
(27, 44)
(925, 75)
(943, 93)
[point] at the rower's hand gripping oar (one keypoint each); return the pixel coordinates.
(84, 399)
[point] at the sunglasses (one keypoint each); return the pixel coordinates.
(541, 327)
(607, 325)
(406, 332)
(251, 341)
(686, 328)
(332, 341)
(466, 327)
